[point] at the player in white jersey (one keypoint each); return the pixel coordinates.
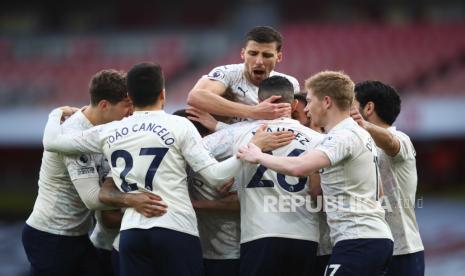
(218, 217)
(324, 244)
(148, 151)
(349, 178)
(55, 236)
(377, 106)
(279, 233)
(261, 53)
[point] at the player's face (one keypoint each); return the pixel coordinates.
(299, 114)
(259, 59)
(119, 110)
(315, 109)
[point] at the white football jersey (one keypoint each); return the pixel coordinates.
(149, 151)
(58, 208)
(219, 231)
(399, 175)
(351, 184)
(272, 204)
(245, 92)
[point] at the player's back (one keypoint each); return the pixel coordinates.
(148, 151)
(351, 185)
(58, 208)
(272, 204)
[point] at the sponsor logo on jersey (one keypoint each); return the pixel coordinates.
(242, 90)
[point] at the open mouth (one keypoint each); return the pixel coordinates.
(259, 73)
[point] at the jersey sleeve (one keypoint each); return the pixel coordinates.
(81, 166)
(220, 144)
(192, 149)
(337, 147)
(70, 143)
(219, 74)
(406, 151)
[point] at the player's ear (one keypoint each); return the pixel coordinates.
(279, 57)
(243, 53)
(327, 101)
(294, 105)
(369, 108)
(103, 104)
(162, 95)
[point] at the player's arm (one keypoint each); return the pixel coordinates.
(294, 166)
(383, 138)
(54, 140)
(269, 141)
(84, 176)
(88, 190)
(205, 118)
(148, 204)
(228, 203)
(207, 95)
(112, 218)
(314, 185)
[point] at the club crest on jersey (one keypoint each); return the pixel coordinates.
(218, 74)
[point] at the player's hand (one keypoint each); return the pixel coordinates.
(224, 189)
(148, 204)
(355, 114)
(269, 141)
(249, 153)
(67, 111)
(269, 110)
(202, 117)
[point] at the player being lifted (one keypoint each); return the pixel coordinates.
(349, 178)
(261, 53)
(148, 151)
(376, 108)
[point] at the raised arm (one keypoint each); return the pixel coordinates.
(383, 138)
(303, 165)
(79, 142)
(207, 95)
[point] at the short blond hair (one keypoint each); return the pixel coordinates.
(336, 85)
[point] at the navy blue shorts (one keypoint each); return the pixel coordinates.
(360, 257)
(409, 265)
(278, 256)
(226, 267)
(159, 251)
(321, 263)
(104, 257)
(51, 254)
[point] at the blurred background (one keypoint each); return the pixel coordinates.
(49, 50)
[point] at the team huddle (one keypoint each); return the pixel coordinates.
(255, 177)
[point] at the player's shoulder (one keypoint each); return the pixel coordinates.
(76, 122)
(220, 72)
(399, 134)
